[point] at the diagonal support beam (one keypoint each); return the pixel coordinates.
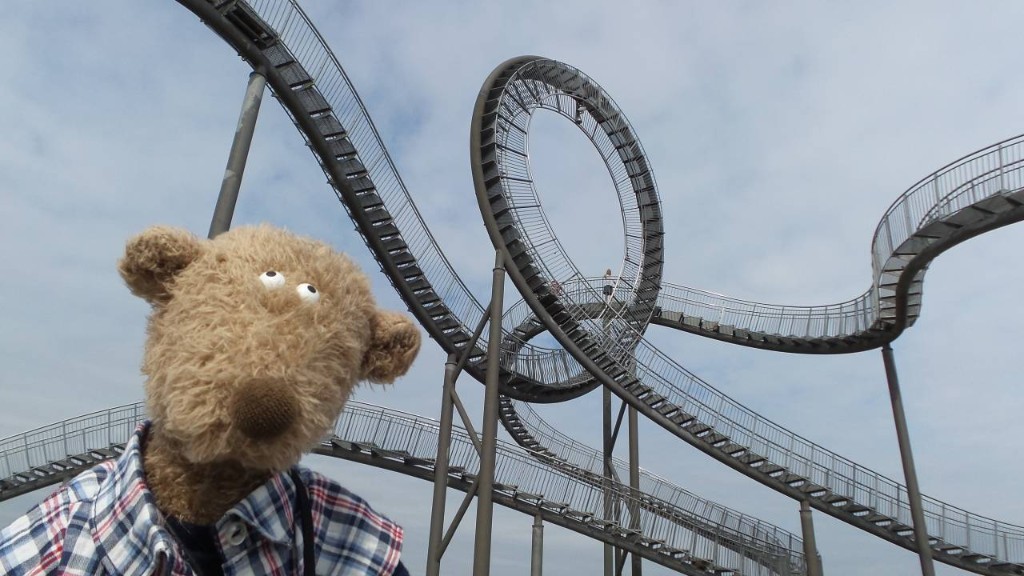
(459, 515)
(466, 421)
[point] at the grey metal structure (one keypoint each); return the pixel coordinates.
(980, 192)
(239, 154)
(602, 340)
(406, 443)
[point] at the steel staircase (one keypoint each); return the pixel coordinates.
(975, 194)
(558, 451)
(978, 193)
(406, 443)
(986, 198)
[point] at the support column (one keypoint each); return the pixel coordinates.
(924, 549)
(634, 484)
(444, 441)
(489, 427)
(606, 466)
(811, 556)
(606, 432)
(239, 153)
(537, 552)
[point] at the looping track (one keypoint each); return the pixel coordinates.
(980, 192)
(602, 335)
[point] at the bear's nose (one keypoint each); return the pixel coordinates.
(263, 409)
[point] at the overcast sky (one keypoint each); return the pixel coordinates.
(778, 134)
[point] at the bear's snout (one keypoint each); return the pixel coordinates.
(263, 409)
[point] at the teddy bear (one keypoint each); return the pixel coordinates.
(255, 341)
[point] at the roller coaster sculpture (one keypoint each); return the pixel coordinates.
(599, 325)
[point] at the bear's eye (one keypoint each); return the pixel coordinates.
(308, 293)
(272, 279)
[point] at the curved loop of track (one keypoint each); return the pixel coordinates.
(987, 191)
(978, 193)
(276, 38)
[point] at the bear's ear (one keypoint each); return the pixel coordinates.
(393, 347)
(152, 259)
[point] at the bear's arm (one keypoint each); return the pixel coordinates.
(33, 545)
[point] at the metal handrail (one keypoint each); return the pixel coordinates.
(585, 457)
(36, 448)
(405, 433)
(995, 171)
(683, 389)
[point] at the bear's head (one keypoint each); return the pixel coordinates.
(256, 340)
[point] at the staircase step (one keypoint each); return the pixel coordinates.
(681, 418)
(995, 204)
(878, 519)
(966, 216)
(914, 245)
(697, 428)
(654, 400)
(751, 458)
(813, 490)
(951, 549)
(715, 439)
(901, 529)
(794, 480)
(328, 126)
(667, 409)
(936, 229)
(732, 449)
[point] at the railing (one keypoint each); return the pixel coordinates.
(398, 431)
(304, 43)
(964, 182)
(831, 320)
(37, 448)
(301, 40)
(762, 534)
(818, 465)
(845, 318)
(992, 171)
(694, 396)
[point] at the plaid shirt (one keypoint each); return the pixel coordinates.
(105, 522)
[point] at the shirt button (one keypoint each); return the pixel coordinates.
(236, 533)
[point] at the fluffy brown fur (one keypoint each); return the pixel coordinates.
(242, 378)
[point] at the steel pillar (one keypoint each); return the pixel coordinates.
(924, 549)
(606, 428)
(811, 556)
(537, 551)
(489, 427)
(634, 484)
(239, 153)
(444, 440)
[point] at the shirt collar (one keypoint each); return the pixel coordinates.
(127, 526)
(268, 510)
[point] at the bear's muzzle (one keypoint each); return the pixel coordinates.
(263, 409)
